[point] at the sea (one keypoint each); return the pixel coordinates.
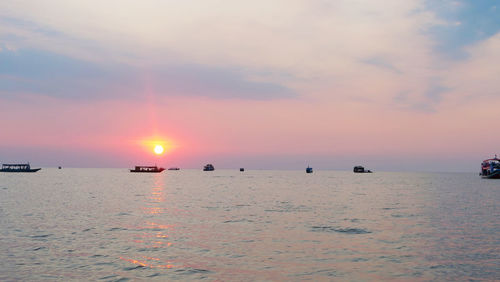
(258, 225)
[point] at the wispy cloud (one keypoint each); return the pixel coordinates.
(464, 22)
(381, 63)
(426, 99)
(38, 72)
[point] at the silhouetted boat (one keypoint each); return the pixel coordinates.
(174, 168)
(360, 169)
(309, 169)
(242, 169)
(490, 168)
(18, 168)
(208, 167)
(150, 169)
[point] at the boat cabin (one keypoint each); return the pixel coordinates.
(147, 169)
(490, 168)
(360, 169)
(208, 167)
(18, 168)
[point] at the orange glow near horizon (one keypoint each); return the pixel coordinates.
(157, 145)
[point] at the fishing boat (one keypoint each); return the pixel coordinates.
(309, 169)
(208, 167)
(150, 169)
(490, 168)
(174, 168)
(242, 169)
(18, 168)
(360, 169)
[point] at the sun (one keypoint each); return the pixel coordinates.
(159, 149)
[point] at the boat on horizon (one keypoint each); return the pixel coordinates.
(150, 169)
(208, 167)
(18, 168)
(174, 168)
(361, 169)
(309, 169)
(490, 168)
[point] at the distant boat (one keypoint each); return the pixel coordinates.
(490, 168)
(18, 168)
(150, 169)
(60, 167)
(360, 169)
(242, 169)
(208, 167)
(174, 168)
(309, 169)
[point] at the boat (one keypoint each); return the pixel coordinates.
(174, 168)
(309, 169)
(150, 169)
(208, 167)
(242, 169)
(18, 168)
(490, 168)
(360, 169)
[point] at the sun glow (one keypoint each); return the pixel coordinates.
(159, 149)
(157, 145)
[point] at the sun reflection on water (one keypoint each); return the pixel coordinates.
(149, 262)
(153, 234)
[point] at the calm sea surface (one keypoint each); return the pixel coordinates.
(226, 225)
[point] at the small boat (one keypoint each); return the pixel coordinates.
(309, 169)
(18, 168)
(174, 168)
(490, 168)
(360, 169)
(150, 169)
(242, 169)
(208, 167)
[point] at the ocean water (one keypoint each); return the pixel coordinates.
(226, 225)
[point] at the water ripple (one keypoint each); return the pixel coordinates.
(340, 230)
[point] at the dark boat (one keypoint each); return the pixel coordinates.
(18, 168)
(490, 168)
(242, 169)
(208, 167)
(150, 169)
(360, 169)
(309, 169)
(174, 168)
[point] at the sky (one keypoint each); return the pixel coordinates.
(275, 84)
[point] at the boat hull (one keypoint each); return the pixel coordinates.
(17, 170)
(494, 175)
(142, 171)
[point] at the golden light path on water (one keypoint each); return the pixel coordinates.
(154, 235)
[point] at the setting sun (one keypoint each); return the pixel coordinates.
(157, 145)
(158, 149)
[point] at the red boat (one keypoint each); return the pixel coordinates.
(490, 168)
(150, 169)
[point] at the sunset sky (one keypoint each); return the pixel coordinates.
(276, 84)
